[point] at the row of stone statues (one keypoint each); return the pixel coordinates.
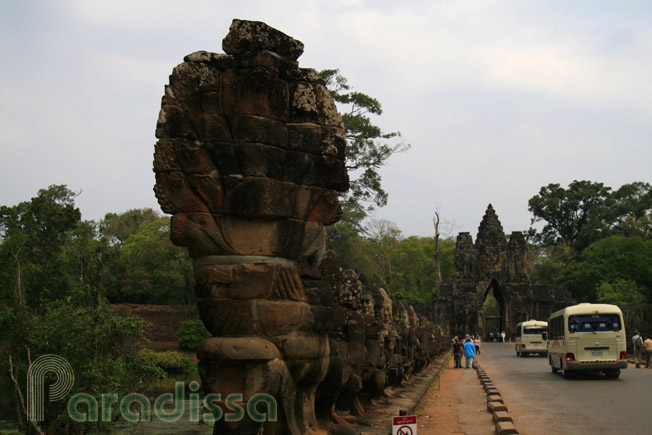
(249, 162)
(375, 342)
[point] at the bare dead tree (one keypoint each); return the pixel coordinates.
(436, 221)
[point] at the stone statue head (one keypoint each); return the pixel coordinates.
(367, 302)
(351, 289)
(382, 306)
(401, 314)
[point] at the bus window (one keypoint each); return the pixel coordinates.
(594, 322)
(534, 329)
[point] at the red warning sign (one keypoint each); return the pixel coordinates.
(404, 425)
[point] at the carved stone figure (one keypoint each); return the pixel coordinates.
(249, 162)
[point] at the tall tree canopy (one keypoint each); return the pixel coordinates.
(368, 147)
(33, 234)
(587, 211)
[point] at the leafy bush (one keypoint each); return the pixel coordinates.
(192, 333)
(150, 359)
(168, 361)
(99, 344)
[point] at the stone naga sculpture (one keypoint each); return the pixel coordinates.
(249, 162)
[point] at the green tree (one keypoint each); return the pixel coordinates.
(414, 276)
(627, 295)
(117, 227)
(607, 260)
(368, 147)
(631, 206)
(384, 239)
(52, 270)
(546, 263)
(143, 265)
(405, 267)
(622, 292)
(573, 216)
(588, 211)
(32, 235)
(346, 239)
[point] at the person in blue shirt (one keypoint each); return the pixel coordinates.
(469, 350)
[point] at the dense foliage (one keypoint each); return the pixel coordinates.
(51, 269)
(610, 261)
(168, 361)
(587, 212)
(403, 266)
(596, 241)
(142, 265)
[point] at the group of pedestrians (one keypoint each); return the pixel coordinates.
(498, 336)
(642, 349)
(470, 346)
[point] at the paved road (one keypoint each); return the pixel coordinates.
(545, 403)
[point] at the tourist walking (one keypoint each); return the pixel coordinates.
(647, 345)
(469, 350)
(457, 352)
(634, 338)
(477, 343)
(637, 340)
(502, 336)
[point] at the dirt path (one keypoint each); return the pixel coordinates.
(455, 405)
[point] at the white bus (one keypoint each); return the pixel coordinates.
(529, 338)
(587, 337)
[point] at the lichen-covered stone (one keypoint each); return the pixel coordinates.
(247, 36)
(249, 162)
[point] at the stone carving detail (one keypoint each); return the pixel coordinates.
(372, 350)
(493, 262)
(249, 162)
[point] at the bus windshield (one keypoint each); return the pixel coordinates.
(534, 329)
(594, 322)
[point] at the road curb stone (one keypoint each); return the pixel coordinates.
(496, 405)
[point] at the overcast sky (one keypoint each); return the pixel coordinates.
(497, 98)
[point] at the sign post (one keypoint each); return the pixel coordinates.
(404, 425)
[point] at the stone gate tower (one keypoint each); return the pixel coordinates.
(499, 265)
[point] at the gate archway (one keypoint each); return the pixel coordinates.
(494, 268)
(493, 310)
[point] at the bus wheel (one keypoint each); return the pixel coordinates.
(564, 372)
(612, 374)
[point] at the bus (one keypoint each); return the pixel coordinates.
(587, 337)
(529, 338)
